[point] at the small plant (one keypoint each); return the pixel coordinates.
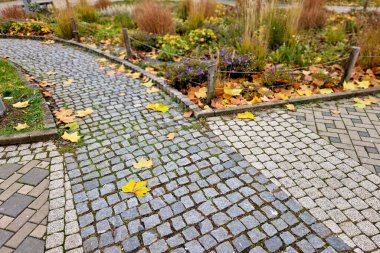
(152, 17)
(197, 11)
(12, 12)
(277, 78)
(174, 43)
(202, 37)
(86, 12)
(102, 4)
(335, 34)
(313, 14)
(124, 20)
(146, 39)
(184, 75)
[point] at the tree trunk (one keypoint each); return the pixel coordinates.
(26, 5)
(365, 5)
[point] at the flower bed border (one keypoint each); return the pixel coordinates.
(181, 98)
(48, 133)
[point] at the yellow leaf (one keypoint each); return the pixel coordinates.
(201, 93)
(21, 104)
(143, 164)
(281, 96)
(137, 188)
(232, 91)
(135, 75)
(84, 113)
(102, 60)
(245, 115)
(326, 91)
(349, 86)
(121, 69)
(48, 42)
(290, 107)
(20, 126)
(72, 126)
(158, 107)
(152, 90)
(254, 100)
(373, 100)
(304, 92)
(68, 82)
(337, 112)
(171, 136)
(360, 103)
(363, 84)
(73, 137)
(148, 84)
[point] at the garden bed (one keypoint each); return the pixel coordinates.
(27, 116)
(292, 64)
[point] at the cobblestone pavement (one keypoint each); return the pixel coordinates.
(205, 196)
(336, 189)
(356, 131)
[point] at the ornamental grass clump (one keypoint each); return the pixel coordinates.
(369, 41)
(153, 17)
(64, 28)
(86, 12)
(102, 4)
(12, 12)
(313, 14)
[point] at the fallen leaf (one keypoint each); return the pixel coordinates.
(335, 112)
(232, 91)
(84, 113)
(20, 126)
(68, 82)
(152, 90)
(187, 114)
(46, 84)
(201, 93)
(135, 75)
(110, 73)
(158, 107)
(47, 94)
(102, 60)
(245, 115)
(171, 136)
(361, 103)
(65, 115)
(143, 164)
(363, 84)
(137, 188)
(326, 91)
(281, 96)
(72, 126)
(73, 137)
(254, 100)
(21, 104)
(291, 107)
(48, 42)
(305, 92)
(121, 69)
(122, 94)
(50, 73)
(373, 100)
(349, 86)
(148, 84)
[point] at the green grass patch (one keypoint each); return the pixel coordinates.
(13, 89)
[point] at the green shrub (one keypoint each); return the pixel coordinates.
(335, 34)
(289, 55)
(124, 20)
(146, 38)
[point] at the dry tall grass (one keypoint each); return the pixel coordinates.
(102, 4)
(196, 11)
(153, 17)
(313, 14)
(86, 12)
(12, 12)
(63, 18)
(369, 41)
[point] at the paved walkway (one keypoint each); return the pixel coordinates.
(205, 196)
(356, 131)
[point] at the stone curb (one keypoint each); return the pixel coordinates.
(179, 97)
(266, 105)
(50, 132)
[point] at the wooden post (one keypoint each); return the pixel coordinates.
(211, 82)
(2, 108)
(75, 29)
(26, 5)
(350, 64)
(365, 5)
(127, 43)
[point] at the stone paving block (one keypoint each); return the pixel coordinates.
(4, 236)
(15, 204)
(31, 244)
(6, 170)
(34, 176)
